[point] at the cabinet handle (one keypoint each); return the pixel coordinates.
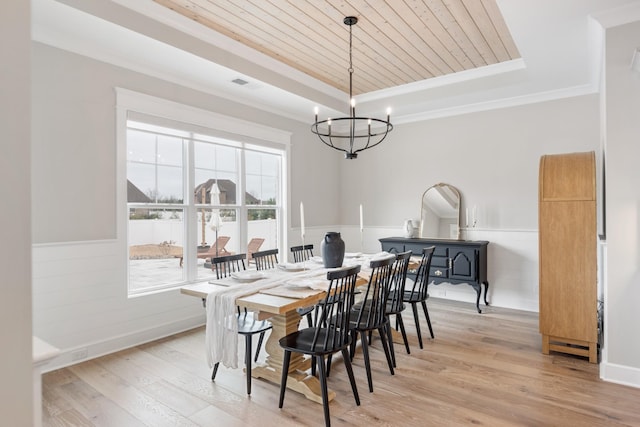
(437, 273)
(450, 263)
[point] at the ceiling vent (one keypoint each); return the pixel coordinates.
(240, 82)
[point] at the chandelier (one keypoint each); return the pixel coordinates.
(351, 134)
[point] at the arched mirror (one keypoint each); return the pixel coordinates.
(440, 217)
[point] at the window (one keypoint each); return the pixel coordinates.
(194, 192)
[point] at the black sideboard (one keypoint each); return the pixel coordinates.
(454, 261)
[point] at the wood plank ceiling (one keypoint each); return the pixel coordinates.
(394, 42)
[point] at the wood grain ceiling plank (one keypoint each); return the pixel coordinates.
(464, 21)
(454, 29)
(221, 17)
(322, 15)
(423, 11)
(374, 53)
(330, 35)
(423, 39)
(395, 41)
(403, 39)
(501, 27)
(484, 24)
(368, 75)
(301, 46)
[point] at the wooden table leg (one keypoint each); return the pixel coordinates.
(298, 380)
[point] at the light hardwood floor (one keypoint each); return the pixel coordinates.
(483, 369)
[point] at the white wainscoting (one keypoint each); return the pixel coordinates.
(512, 264)
(80, 303)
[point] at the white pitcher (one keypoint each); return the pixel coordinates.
(409, 229)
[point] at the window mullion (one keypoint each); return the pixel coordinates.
(191, 211)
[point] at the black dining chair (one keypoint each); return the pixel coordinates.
(395, 303)
(370, 314)
(248, 323)
(300, 254)
(266, 260)
(327, 337)
(416, 292)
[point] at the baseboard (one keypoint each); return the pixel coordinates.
(620, 374)
(72, 356)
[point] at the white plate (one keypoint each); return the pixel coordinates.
(248, 276)
(317, 283)
(292, 267)
(352, 254)
(382, 255)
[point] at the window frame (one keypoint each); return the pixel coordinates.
(131, 105)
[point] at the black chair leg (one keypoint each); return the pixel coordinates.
(352, 380)
(367, 365)
(404, 333)
(215, 371)
(310, 319)
(247, 362)
(329, 357)
(313, 366)
(285, 375)
(323, 389)
(387, 330)
(354, 340)
(415, 317)
(259, 346)
(386, 346)
(426, 314)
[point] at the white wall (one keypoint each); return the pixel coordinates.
(16, 389)
(622, 297)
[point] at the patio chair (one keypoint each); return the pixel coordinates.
(216, 250)
(253, 246)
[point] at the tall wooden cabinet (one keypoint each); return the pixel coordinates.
(567, 245)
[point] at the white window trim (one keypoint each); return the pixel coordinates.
(128, 100)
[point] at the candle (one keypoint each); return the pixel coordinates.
(361, 223)
(474, 217)
(302, 220)
(466, 217)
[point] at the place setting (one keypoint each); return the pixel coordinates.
(239, 277)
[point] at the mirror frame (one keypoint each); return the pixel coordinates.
(455, 191)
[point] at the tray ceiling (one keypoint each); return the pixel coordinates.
(395, 42)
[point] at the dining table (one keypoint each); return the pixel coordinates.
(290, 286)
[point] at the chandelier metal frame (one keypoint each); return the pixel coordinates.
(355, 124)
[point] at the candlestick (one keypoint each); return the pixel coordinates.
(361, 228)
(466, 217)
(474, 218)
(302, 220)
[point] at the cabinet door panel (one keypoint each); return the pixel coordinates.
(463, 264)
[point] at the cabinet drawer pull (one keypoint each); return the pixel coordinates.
(437, 273)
